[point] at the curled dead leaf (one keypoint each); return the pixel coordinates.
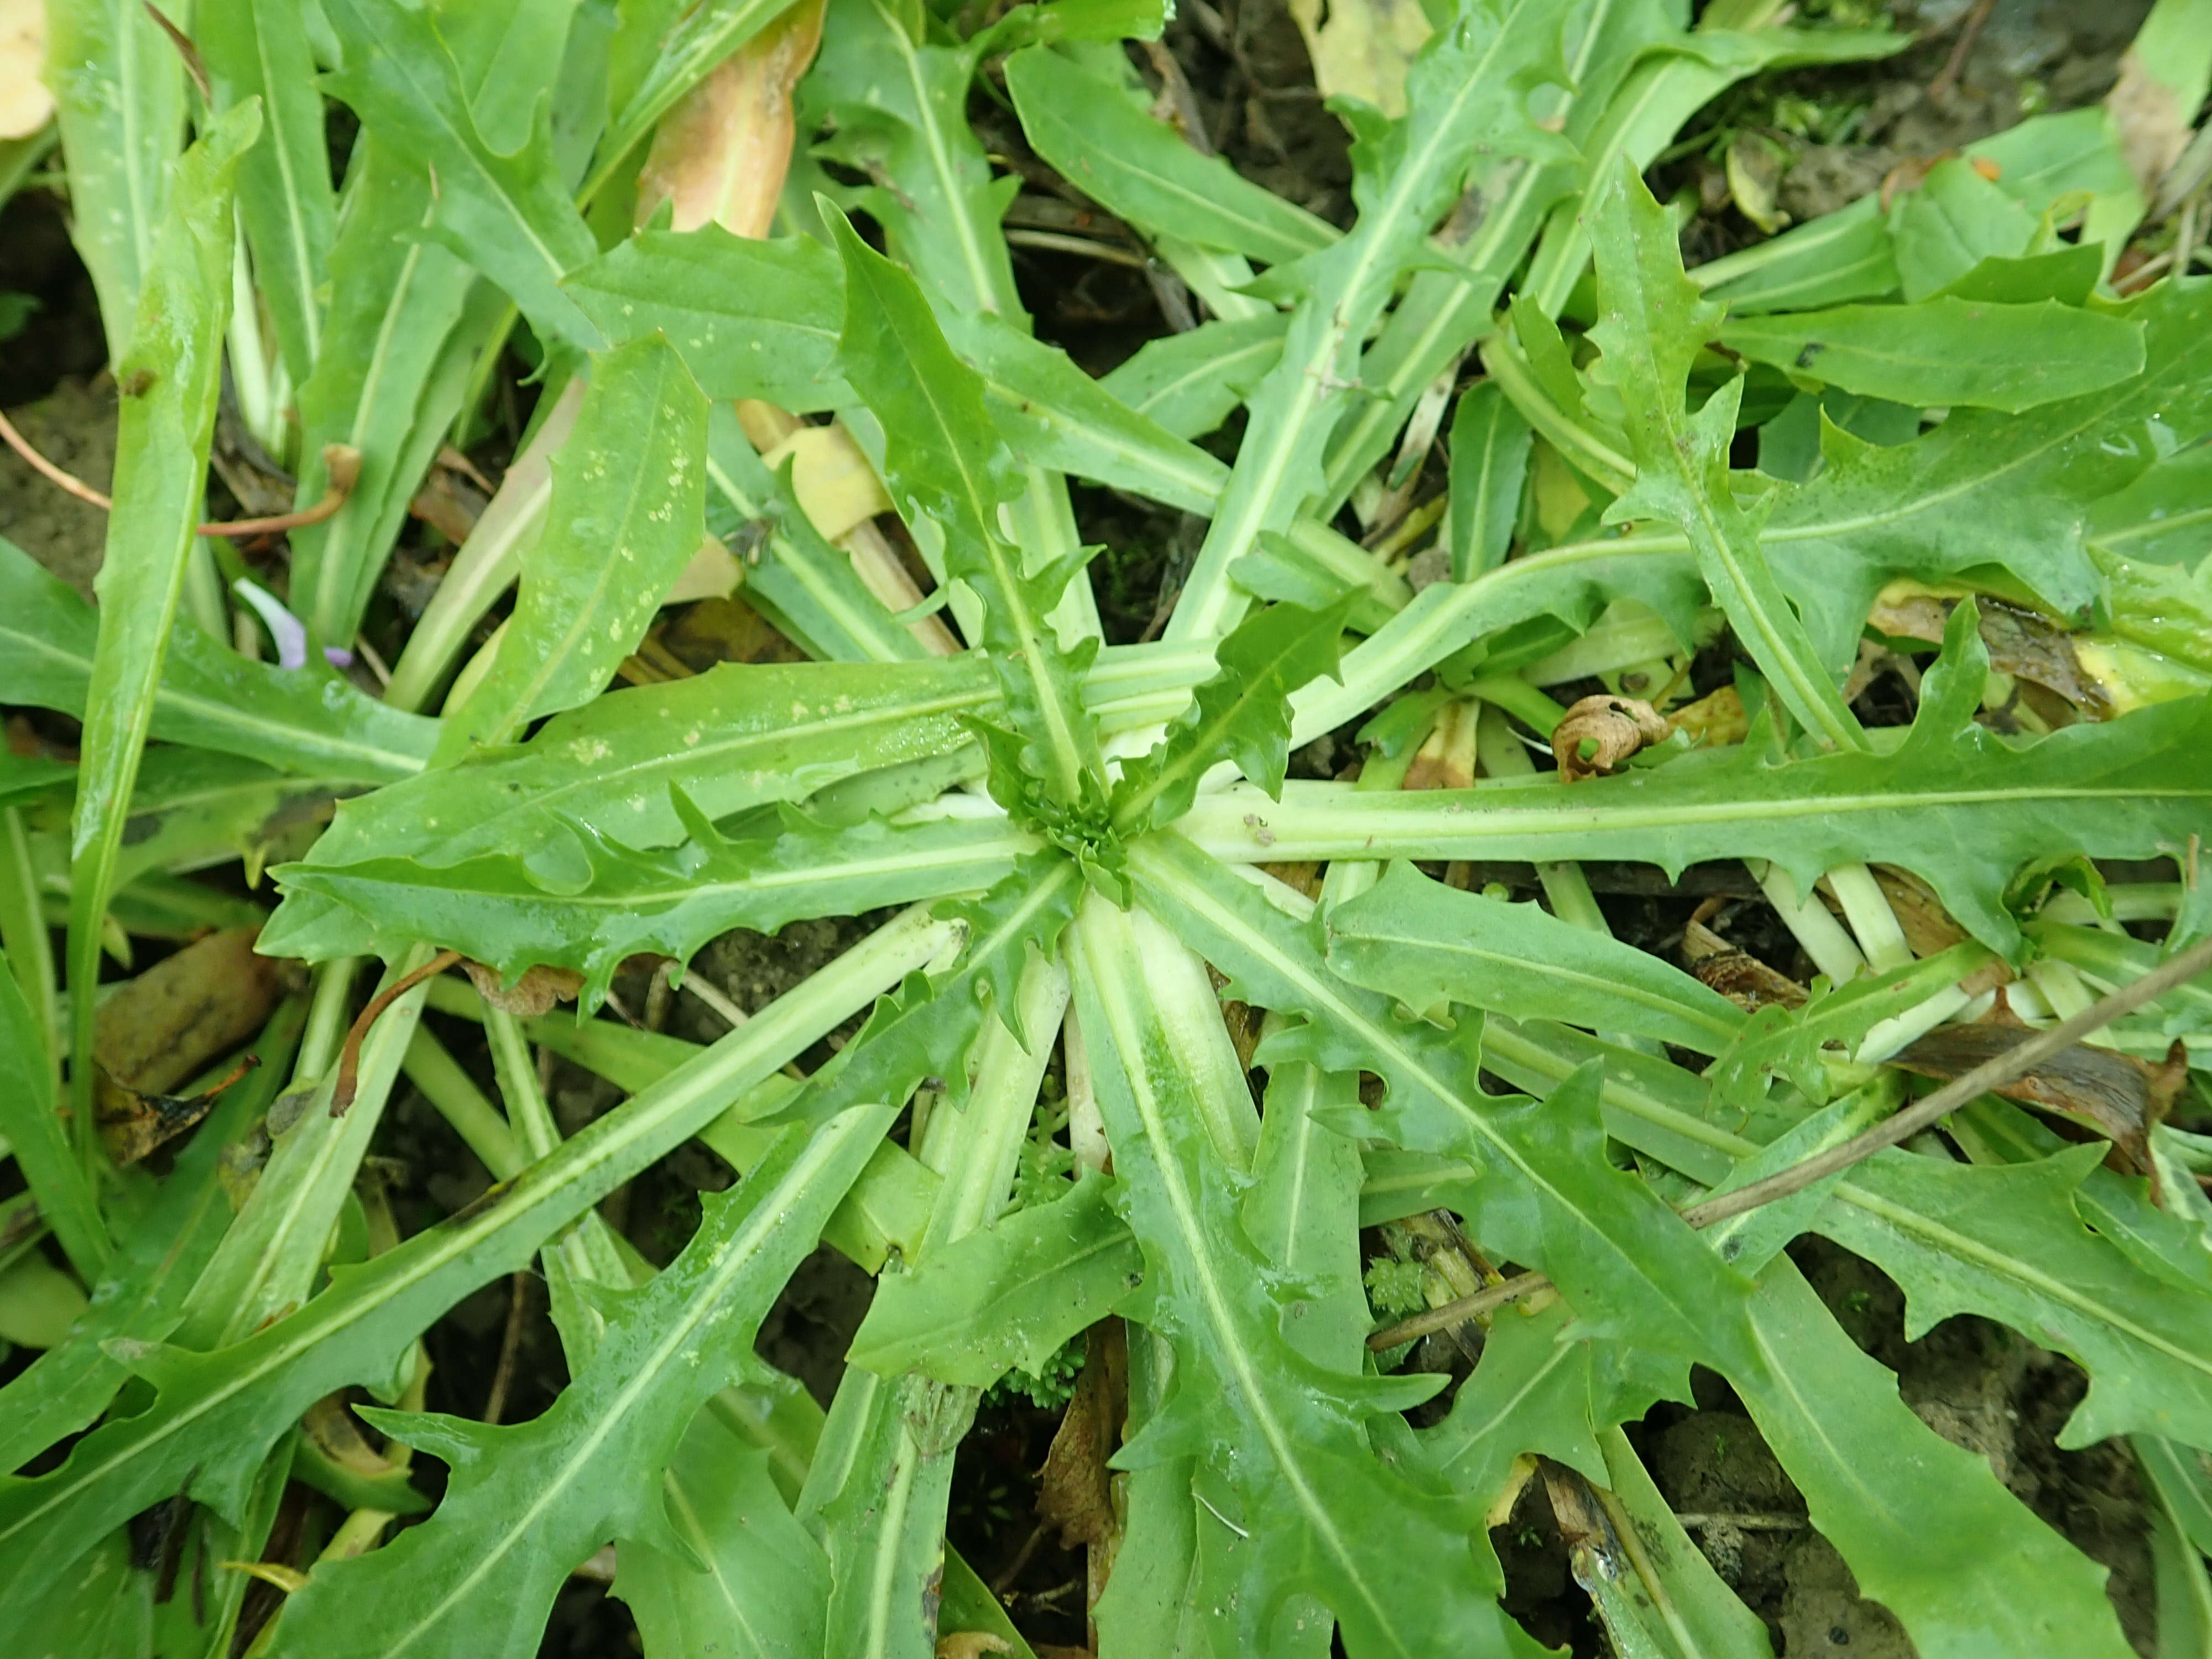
(536, 993)
(1714, 719)
(2020, 642)
(1075, 1490)
(132, 1124)
(1600, 732)
(971, 1644)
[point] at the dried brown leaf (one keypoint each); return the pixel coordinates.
(1737, 974)
(2020, 642)
(132, 1124)
(1075, 1491)
(1599, 733)
(2154, 126)
(1445, 759)
(25, 102)
(2118, 1095)
(721, 154)
(1714, 719)
(183, 1012)
(536, 993)
(725, 630)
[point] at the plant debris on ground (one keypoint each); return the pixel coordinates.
(913, 829)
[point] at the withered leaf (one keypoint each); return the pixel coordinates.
(536, 993)
(1075, 1491)
(183, 1012)
(1600, 732)
(132, 1123)
(1737, 974)
(2118, 1095)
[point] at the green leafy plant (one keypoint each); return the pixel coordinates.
(1266, 1012)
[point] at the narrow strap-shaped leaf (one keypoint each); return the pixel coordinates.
(258, 49)
(119, 101)
(399, 306)
(159, 1254)
(527, 1504)
(1490, 444)
(302, 720)
(628, 511)
(1655, 324)
(1924, 1526)
(1318, 1510)
(753, 317)
(170, 379)
(1546, 1194)
(495, 909)
(1445, 312)
(509, 216)
(1007, 1296)
(1541, 1386)
(1189, 382)
(2008, 1242)
(879, 1489)
(1141, 169)
(928, 1027)
(1467, 96)
(1950, 351)
(949, 472)
(894, 103)
(1952, 804)
(1419, 940)
(738, 735)
(33, 1131)
(214, 1415)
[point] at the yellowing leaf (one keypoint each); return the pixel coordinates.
(24, 103)
(1362, 48)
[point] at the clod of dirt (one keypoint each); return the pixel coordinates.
(755, 968)
(74, 429)
(1823, 1612)
(807, 1331)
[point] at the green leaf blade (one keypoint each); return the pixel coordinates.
(1950, 351)
(628, 511)
(950, 471)
(1418, 940)
(1654, 323)
(171, 377)
(527, 1504)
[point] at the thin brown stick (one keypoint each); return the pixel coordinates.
(341, 462)
(1955, 65)
(1053, 242)
(1992, 1073)
(47, 470)
(510, 1344)
(1459, 1310)
(349, 1056)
